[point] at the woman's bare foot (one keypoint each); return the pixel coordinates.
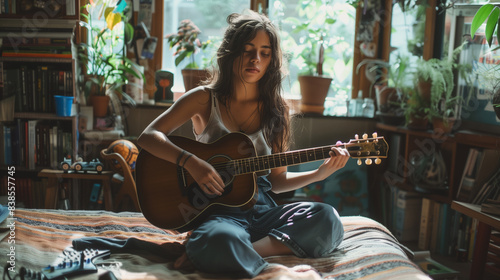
(183, 263)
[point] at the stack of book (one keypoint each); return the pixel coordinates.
(491, 206)
(36, 47)
(480, 179)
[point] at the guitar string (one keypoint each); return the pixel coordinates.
(288, 156)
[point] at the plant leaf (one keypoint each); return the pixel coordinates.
(491, 25)
(480, 16)
(112, 19)
(179, 58)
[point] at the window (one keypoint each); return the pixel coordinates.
(303, 23)
(208, 16)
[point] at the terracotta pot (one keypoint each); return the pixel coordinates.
(417, 122)
(100, 104)
(385, 97)
(314, 90)
(193, 77)
(441, 126)
(424, 88)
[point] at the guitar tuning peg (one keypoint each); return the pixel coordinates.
(368, 161)
(378, 161)
(359, 161)
(375, 135)
(365, 136)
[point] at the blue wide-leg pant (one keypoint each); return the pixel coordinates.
(223, 243)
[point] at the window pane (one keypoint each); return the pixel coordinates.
(332, 19)
(208, 16)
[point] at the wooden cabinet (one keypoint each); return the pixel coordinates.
(443, 229)
(407, 145)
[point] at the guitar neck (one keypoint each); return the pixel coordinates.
(262, 163)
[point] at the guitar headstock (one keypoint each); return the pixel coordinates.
(368, 148)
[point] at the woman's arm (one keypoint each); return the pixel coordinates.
(193, 105)
(284, 181)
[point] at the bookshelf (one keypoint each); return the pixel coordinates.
(443, 230)
(36, 63)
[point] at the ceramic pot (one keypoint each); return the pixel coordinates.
(424, 88)
(313, 90)
(100, 104)
(193, 77)
(385, 96)
(441, 126)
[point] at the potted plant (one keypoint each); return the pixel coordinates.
(491, 14)
(186, 44)
(390, 84)
(107, 68)
(416, 111)
(311, 48)
(435, 84)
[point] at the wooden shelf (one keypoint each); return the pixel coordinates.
(42, 116)
(36, 59)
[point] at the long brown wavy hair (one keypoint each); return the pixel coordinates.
(274, 112)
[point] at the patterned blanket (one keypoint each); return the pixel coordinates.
(369, 250)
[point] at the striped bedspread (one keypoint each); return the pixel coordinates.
(369, 251)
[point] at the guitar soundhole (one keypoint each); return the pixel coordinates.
(198, 198)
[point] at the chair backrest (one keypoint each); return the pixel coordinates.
(128, 187)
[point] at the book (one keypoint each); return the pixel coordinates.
(426, 219)
(433, 268)
(468, 177)
(408, 209)
(435, 226)
(488, 165)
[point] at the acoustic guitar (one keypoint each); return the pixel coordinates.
(170, 199)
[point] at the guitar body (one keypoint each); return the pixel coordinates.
(170, 199)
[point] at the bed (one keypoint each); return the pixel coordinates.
(369, 250)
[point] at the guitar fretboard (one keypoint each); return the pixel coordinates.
(261, 163)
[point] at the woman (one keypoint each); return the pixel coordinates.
(245, 96)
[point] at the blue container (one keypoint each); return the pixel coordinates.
(63, 105)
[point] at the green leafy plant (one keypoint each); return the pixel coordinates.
(311, 44)
(415, 107)
(107, 69)
(440, 73)
(186, 43)
(491, 14)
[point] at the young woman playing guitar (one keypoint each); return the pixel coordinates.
(244, 95)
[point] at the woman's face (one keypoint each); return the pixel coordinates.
(252, 64)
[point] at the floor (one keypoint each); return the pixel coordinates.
(451, 262)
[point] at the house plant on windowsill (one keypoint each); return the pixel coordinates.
(491, 14)
(435, 83)
(107, 69)
(187, 44)
(317, 55)
(389, 82)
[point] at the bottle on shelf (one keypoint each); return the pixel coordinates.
(368, 108)
(356, 106)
